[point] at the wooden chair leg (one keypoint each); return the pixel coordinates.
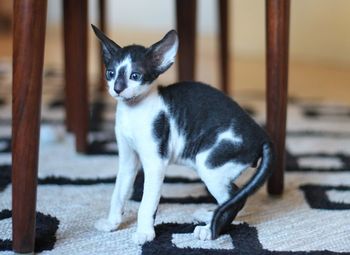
(277, 28)
(224, 53)
(75, 26)
(28, 57)
(102, 25)
(186, 28)
(68, 72)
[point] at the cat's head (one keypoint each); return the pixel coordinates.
(131, 70)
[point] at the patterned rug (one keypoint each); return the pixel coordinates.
(312, 216)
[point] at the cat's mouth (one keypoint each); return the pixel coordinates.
(130, 100)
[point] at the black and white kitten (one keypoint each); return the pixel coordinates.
(187, 123)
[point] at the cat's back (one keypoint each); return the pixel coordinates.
(201, 102)
(180, 92)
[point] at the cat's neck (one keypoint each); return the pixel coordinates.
(145, 98)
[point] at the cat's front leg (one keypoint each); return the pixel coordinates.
(154, 175)
(128, 166)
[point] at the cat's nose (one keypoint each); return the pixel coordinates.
(119, 86)
(118, 90)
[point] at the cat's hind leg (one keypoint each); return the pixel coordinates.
(219, 182)
(206, 215)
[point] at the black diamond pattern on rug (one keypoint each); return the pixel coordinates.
(45, 232)
(244, 238)
(317, 198)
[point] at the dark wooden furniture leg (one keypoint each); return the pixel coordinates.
(224, 53)
(102, 25)
(67, 53)
(277, 42)
(186, 28)
(75, 26)
(28, 57)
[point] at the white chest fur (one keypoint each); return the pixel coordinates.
(134, 122)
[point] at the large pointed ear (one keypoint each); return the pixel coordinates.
(162, 54)
(109, 48)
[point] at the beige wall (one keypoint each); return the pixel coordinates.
(320, 29)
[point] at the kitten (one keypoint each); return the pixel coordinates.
(186, 123)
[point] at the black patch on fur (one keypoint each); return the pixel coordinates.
(316, 197)
(45, 232)
(224, 152)
(121, 82)
(121, 73)
(161, 132)
(245, 241)
(5, 176)
(201, 113)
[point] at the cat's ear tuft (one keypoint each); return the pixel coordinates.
(109, 47)
(162, 54)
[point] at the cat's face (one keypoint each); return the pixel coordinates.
(131, 70)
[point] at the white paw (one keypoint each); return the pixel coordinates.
(105, 225)
(202, 233)
(143, 237)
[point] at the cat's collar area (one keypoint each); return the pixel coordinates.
(130, 101)
(135, 100)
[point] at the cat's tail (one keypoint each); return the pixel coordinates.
(226, 212)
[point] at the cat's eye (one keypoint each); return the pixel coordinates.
(110, 74)
(135, 76)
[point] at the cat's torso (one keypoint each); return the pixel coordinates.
(186, 120)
